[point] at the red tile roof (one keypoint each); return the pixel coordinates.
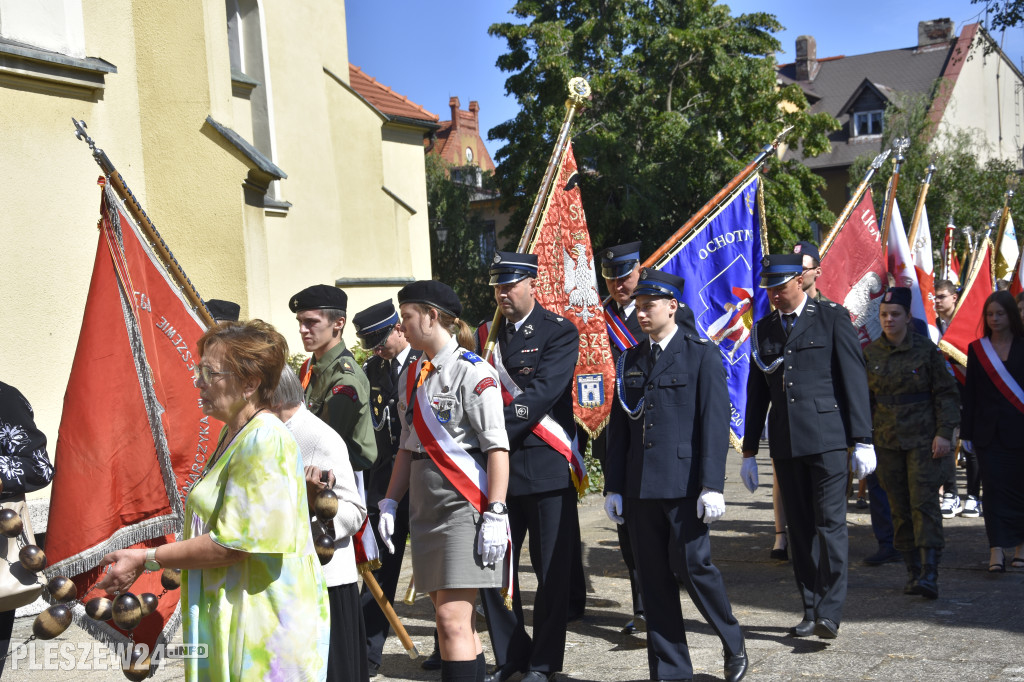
(386, 100)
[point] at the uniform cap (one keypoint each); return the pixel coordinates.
(899, 296)
(319, 297)
(432, 293)
(508, 267)
(374, 324)
(779, 268)
(656, 283)
(223, 311)
(805, 248)
(619, 261)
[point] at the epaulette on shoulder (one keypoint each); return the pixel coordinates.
(347, 366)
(557, 318)
(470, 356)
(696, 339)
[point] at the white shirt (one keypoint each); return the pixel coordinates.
(322, 447)
(668, 337)
(799, 309)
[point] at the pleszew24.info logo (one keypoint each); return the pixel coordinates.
(65, 656)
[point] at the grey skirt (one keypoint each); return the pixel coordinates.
(444, 526)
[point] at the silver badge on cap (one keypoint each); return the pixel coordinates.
(643, 274)
(497, 258)
(888, 296)
(765, 262)
(610, 254)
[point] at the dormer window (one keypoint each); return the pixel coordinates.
(867, 123)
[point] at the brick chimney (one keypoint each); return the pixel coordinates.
(453, 103)
(934, 32)
(806, 58)
(474, 109)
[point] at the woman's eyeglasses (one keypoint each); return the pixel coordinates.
(206, 374)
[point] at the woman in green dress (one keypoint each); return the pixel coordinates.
(252, 588)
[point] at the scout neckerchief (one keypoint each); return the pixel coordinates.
(617, 330)
(464, 473)
(996, 371)
(305, 373)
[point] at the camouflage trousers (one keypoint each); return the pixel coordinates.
(911, 479)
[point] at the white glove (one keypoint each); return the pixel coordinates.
(386, 525)
(710, 505)
(863, 460)
(613, 507)
(748, 473)
(492, 541)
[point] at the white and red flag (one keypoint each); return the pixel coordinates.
(1017, 278)
(925, 267)
(853, 271)
(901, 266)
(132, 437)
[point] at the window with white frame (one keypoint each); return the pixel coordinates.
(54, 25)
(867, 123)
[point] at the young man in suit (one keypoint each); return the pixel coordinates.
(536, 351)
(667, 443)
(808, 368)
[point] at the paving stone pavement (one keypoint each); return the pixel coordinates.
(974, 631)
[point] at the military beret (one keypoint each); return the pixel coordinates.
(805, 248)
(432, 293)
(619, 261)
(898, 295)
(508, 267)
(374, 324)
(779, 268)
(657, 283)
(319, 297)
(223, 311)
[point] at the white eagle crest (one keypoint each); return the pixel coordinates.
(581, 282)
(863, 301)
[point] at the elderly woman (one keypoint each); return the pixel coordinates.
(993, 421)
(252, 588)
(453, 460)
(915, 407)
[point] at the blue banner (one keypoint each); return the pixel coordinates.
(721, 264)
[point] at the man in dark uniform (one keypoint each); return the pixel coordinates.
(809, 369)
(536, 351)
(667, 444)
(336, 388)
(378, 331)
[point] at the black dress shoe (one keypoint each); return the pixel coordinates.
(373, 669)
(638, 624)
(537, 676)
(736, 666)
(825, 629)
(804, 628)
(500, 675)
(433, 661)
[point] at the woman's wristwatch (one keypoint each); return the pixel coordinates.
(497, 508)
(151, 563)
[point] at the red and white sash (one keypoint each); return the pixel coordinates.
(996, 371)
(618, 332)
(365, 546)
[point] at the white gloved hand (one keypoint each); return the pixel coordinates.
(492, 541)
(748, 473)
(613, 508)
(386, 525)
(863, 460)
(710, 505)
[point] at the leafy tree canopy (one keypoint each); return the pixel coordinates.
(684, 96)
(1003, 14)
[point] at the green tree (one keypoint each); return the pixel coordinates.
(968, 184)
(684, 96)
(460, 259)
(1003, 14)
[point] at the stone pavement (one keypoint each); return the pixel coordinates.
(975, 630)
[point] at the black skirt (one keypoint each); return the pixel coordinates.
(346, 661)
(1002, 495)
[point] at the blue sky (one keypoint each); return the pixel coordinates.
(432, 51)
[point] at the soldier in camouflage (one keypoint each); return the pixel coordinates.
(914, 407)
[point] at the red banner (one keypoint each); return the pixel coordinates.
(132, 437)
(853, 270)
(966, 325)
(567, 285)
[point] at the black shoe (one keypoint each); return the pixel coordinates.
(500, 675)
(804, 628)
(780, 554)
(884, 555)
(638, 624)
(373, 668)
(825, 629)
(736, 666)
(537, 676)
(433, 661)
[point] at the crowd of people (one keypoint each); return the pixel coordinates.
(431, 445)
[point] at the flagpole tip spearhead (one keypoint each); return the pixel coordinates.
(778, 138)
(579, 90)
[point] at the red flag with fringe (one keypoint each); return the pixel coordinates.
(132, 437)
(966, 325)
(567, 285)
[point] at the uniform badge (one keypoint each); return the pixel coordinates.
(343, 389)
(526, 370)
(609, 254)
(528, 329)
(380, 398)
(497, 258)
(443, 404)
(590, 390)
(484, 385)
(888, 296)
(643, 274)
(523, 412)
(765, 262)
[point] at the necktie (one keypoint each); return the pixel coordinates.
(510, 331)
(426, 369)
(788, 320)
(655, 353)
(393, 371)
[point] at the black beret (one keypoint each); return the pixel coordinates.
(433, 293)
(223, 310)
(805, 248)
(899, 296)
(319, 297)
(374, 324)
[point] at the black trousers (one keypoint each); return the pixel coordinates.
(346, 660)
(658, 528)
(6, 628)
(547, 517)
(377, 626)
(814, 497)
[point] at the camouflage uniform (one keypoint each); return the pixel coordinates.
(339, 393)
(914, 398)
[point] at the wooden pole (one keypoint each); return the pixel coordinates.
(900, 145)
(858, 194)
(919, 206)
(389, 612)
(579, 90)
(716, 200)
(149, 229)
